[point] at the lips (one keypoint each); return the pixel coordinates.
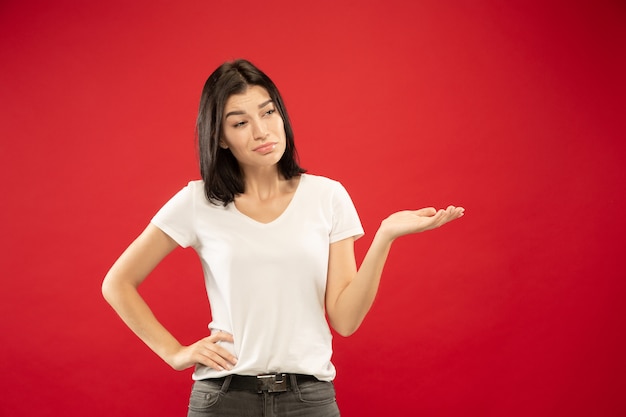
(265, 148)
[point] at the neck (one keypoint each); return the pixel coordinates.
(264, 183)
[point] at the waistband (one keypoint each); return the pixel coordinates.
(263, 383)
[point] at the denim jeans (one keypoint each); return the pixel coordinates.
(308, 399)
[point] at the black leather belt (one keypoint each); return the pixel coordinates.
(264, 383)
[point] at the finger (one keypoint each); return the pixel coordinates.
(435, 220)
(451, 213)
(457, 212)
(214, 355)
(221, 336)
(442, 217)
(426, 212)
(212, 343)
(212, 360)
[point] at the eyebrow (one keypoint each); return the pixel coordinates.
(239, 112)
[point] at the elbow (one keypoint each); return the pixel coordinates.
(345, 329)
(344, 324)
(109, 288)
(106, 289)
(345, 333)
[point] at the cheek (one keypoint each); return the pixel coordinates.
(231, 139)
(279, 127)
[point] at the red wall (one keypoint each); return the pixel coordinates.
(514, 110)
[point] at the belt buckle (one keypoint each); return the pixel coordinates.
(272, 383)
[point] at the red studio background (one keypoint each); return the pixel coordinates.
(514, 110)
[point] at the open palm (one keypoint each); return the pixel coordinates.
(416, 221)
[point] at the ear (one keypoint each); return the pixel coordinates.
(223, 144)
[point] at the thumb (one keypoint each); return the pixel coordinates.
(221, 336)
(426, 212)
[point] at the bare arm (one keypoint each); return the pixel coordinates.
(350, 293)
(120, 290)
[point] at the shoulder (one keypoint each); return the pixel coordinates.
(324, 190)
(192, 193)
(195, 185)
(319, 182)
(194, 188)
(324, 186)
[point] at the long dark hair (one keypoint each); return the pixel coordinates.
(219, 169)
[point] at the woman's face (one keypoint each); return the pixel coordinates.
(253, 129)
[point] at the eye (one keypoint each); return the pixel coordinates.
(270, 112)
(239, 124)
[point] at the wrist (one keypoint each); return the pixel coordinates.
(386, 233)
(383, 236)
(170, 354)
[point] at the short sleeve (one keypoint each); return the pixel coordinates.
(346, 222)
(176, 217)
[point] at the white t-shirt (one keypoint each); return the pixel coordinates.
(266, 281)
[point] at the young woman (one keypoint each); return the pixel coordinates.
(277, 251)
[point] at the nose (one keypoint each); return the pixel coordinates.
(259, 130)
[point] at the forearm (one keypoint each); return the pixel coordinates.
(350, 293)
(356, 299)
(135, 312)
(120, 290)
